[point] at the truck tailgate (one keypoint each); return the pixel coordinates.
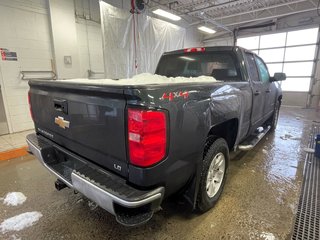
(87, 120)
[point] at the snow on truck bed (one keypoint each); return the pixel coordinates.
(143, 79)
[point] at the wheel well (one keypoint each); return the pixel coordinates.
(227, 130)
(280, 98)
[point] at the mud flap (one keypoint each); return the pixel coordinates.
(191, 194)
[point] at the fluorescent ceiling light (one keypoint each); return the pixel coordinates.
(166, 14)
(206, 29)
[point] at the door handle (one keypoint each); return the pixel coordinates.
(60, 105)
(257, 93)
(268, 91)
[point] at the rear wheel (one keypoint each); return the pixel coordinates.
(213, 175)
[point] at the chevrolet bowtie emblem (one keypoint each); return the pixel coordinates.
(61, 122)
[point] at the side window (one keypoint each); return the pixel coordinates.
(253, 71)
(263, 70)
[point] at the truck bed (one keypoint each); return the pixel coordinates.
(142, 79)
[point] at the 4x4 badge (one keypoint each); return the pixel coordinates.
(61, 122)
(173, 95)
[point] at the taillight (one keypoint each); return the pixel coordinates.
(198, 49)
(29, 101)
(147, 136)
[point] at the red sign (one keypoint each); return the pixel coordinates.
(6, 55)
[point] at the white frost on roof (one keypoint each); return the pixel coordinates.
(14, 199)
(143, 79)
(20, 222)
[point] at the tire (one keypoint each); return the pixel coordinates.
(213, 175)
(274, 119)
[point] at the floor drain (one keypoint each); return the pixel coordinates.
(307, 222)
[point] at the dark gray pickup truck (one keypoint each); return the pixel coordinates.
(127, 147)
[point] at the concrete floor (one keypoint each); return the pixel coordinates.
(259, 200)
(13, 141)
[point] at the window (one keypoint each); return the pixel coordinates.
(296, 84)
(298, 69)
(300, 53)
(220, 65)
(290, 52)
(302, 37)
(249, 42)
(272, 55)
(264, 74)
(273, 40)
(274, 67)
(253, 71)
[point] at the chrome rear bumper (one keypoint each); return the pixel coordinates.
(111, 191)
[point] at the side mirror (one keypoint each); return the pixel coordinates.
(279, 76)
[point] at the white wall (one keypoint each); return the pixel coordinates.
(64, 35)
(227, 41)
(89, 48)
(193, 36)
(44, 31)
(24, 29)
(125, 4)
(89, 38)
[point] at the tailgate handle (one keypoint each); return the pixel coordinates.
(61, 105)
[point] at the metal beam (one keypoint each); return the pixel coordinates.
(205, 9)
(255, 18)
(261, 9)
(269, 17)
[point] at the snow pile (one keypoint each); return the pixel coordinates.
(309, 150)
(14, 198)
(20, 222)
(267, 236)
(143, 79)
(14, 237)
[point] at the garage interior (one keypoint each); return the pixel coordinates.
(272, 191)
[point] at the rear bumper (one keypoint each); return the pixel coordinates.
(108, 190)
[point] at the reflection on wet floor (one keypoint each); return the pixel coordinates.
(259, 200)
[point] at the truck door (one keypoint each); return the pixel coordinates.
(258, 92)
(269, 88)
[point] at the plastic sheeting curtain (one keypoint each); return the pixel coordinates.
(134, 44)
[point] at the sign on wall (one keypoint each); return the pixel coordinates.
(6, 55)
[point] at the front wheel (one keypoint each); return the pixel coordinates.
(213, 175)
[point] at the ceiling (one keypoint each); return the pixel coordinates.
(230, 14)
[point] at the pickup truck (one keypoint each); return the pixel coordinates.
(128, 147)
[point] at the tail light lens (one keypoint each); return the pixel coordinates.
(30, 108)
(147, 136)
(198, 49)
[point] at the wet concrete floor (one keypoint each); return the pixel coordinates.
(259, 200)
